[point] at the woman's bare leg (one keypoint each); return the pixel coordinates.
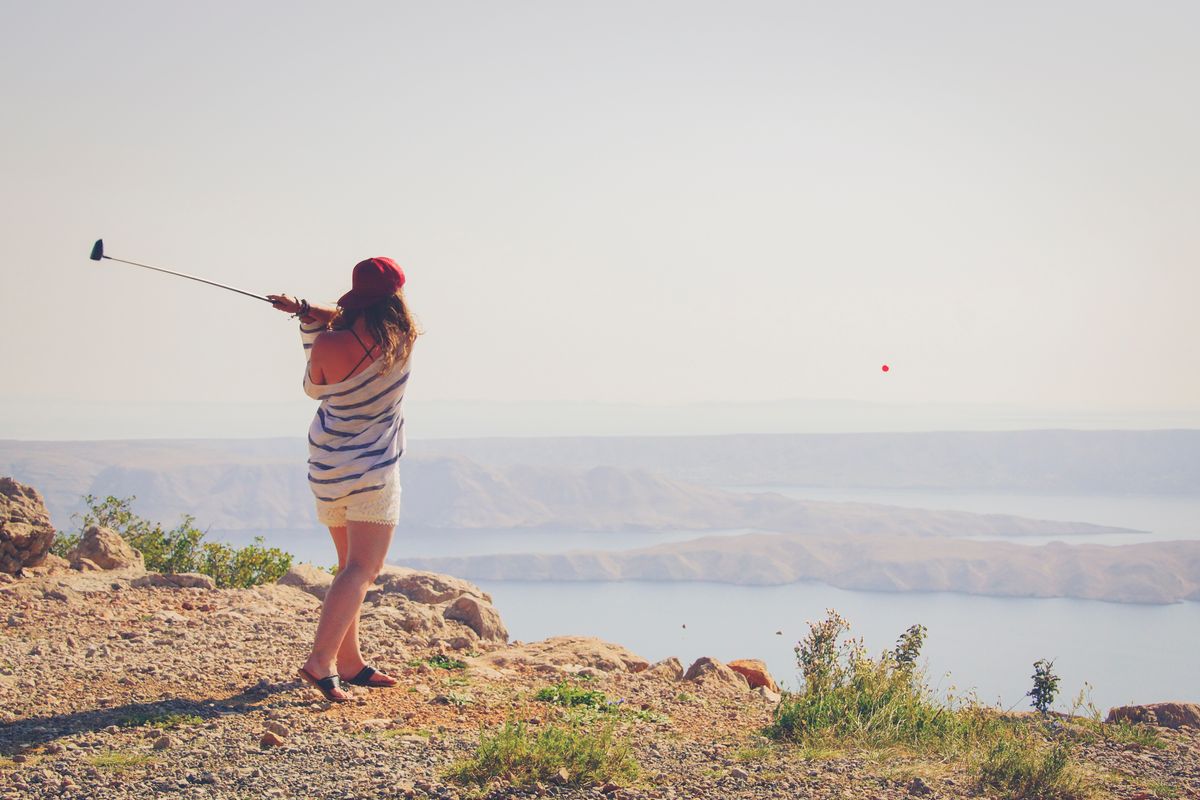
(367, 546)
(349, 656)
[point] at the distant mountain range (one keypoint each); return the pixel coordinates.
(674, 484)
(1155, 572)
(1051, 461)
(261, 485)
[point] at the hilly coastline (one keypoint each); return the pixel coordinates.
(261, 485)
(1155, 572)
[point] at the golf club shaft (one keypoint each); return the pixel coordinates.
(192, 277)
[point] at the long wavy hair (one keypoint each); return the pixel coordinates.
(390, 322)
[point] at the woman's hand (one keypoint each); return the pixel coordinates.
(291, 305)
(284, 303)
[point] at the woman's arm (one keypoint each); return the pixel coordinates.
(316, 314)
(312, 324)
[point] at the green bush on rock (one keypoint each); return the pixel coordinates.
(181, 549)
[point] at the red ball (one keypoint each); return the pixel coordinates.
(885, 367)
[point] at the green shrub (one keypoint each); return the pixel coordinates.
(181, 549)
(523, 756)
(564, 693)
(442, 661)
(1019, 766)
(851, 697)
(1045, 685)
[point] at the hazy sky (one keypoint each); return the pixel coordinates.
(643, 202)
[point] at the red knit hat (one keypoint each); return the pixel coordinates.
(374, 279)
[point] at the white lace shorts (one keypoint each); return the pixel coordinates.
(381, 506)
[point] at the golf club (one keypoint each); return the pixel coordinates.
(98, 253)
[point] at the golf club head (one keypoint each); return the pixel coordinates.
(98, 250)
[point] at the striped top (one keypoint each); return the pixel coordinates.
(357, 435)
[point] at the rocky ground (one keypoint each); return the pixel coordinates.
(114, 687)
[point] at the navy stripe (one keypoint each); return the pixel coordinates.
(347, 494)
(380, 465)
(398, 383)
(351, 418)
(308, 347)
(364, 454)
(328, 449)
(343, 448)
(350, 434)
(355, 388)
(329, 432)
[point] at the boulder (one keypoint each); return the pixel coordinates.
(709, 671)
(307, 578)
(51, 565)
(25, 529)
(175, 580)
(425, 587)
(568, 654)
(670, 668)
(1166, 715)
(267, 600)
(107, 549)
(755, 673)
(770, 696)
(478, 615)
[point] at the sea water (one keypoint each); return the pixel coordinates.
(1127, 653)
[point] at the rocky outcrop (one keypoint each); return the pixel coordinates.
(670, 668)
(25, 530)
(308, 578)
(566, 654)
(478, 615)
(426, 587)
(106, 549)
(177, 580)
(1166, 715)
(709, 671)
(441, 609)
(755, 672)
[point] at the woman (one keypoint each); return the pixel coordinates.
(358, 362)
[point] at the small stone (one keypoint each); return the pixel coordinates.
(162, 742)
(270, 739)
(562, 776)
(279, 728)
(738, 772)
(919, 787)
(20, 758)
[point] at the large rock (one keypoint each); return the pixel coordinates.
(1166, 715)
(670, 668)
(478, 615)
(755, 673)
(709, 671)
(25, 529)
(307, 578)
(174, 580)
(441, 609)
(570, 654)
(432, 588)
(107, 549)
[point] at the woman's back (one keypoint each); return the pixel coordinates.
(341, 354)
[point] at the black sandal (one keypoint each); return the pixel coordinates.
(324, 685)
(363, 678)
